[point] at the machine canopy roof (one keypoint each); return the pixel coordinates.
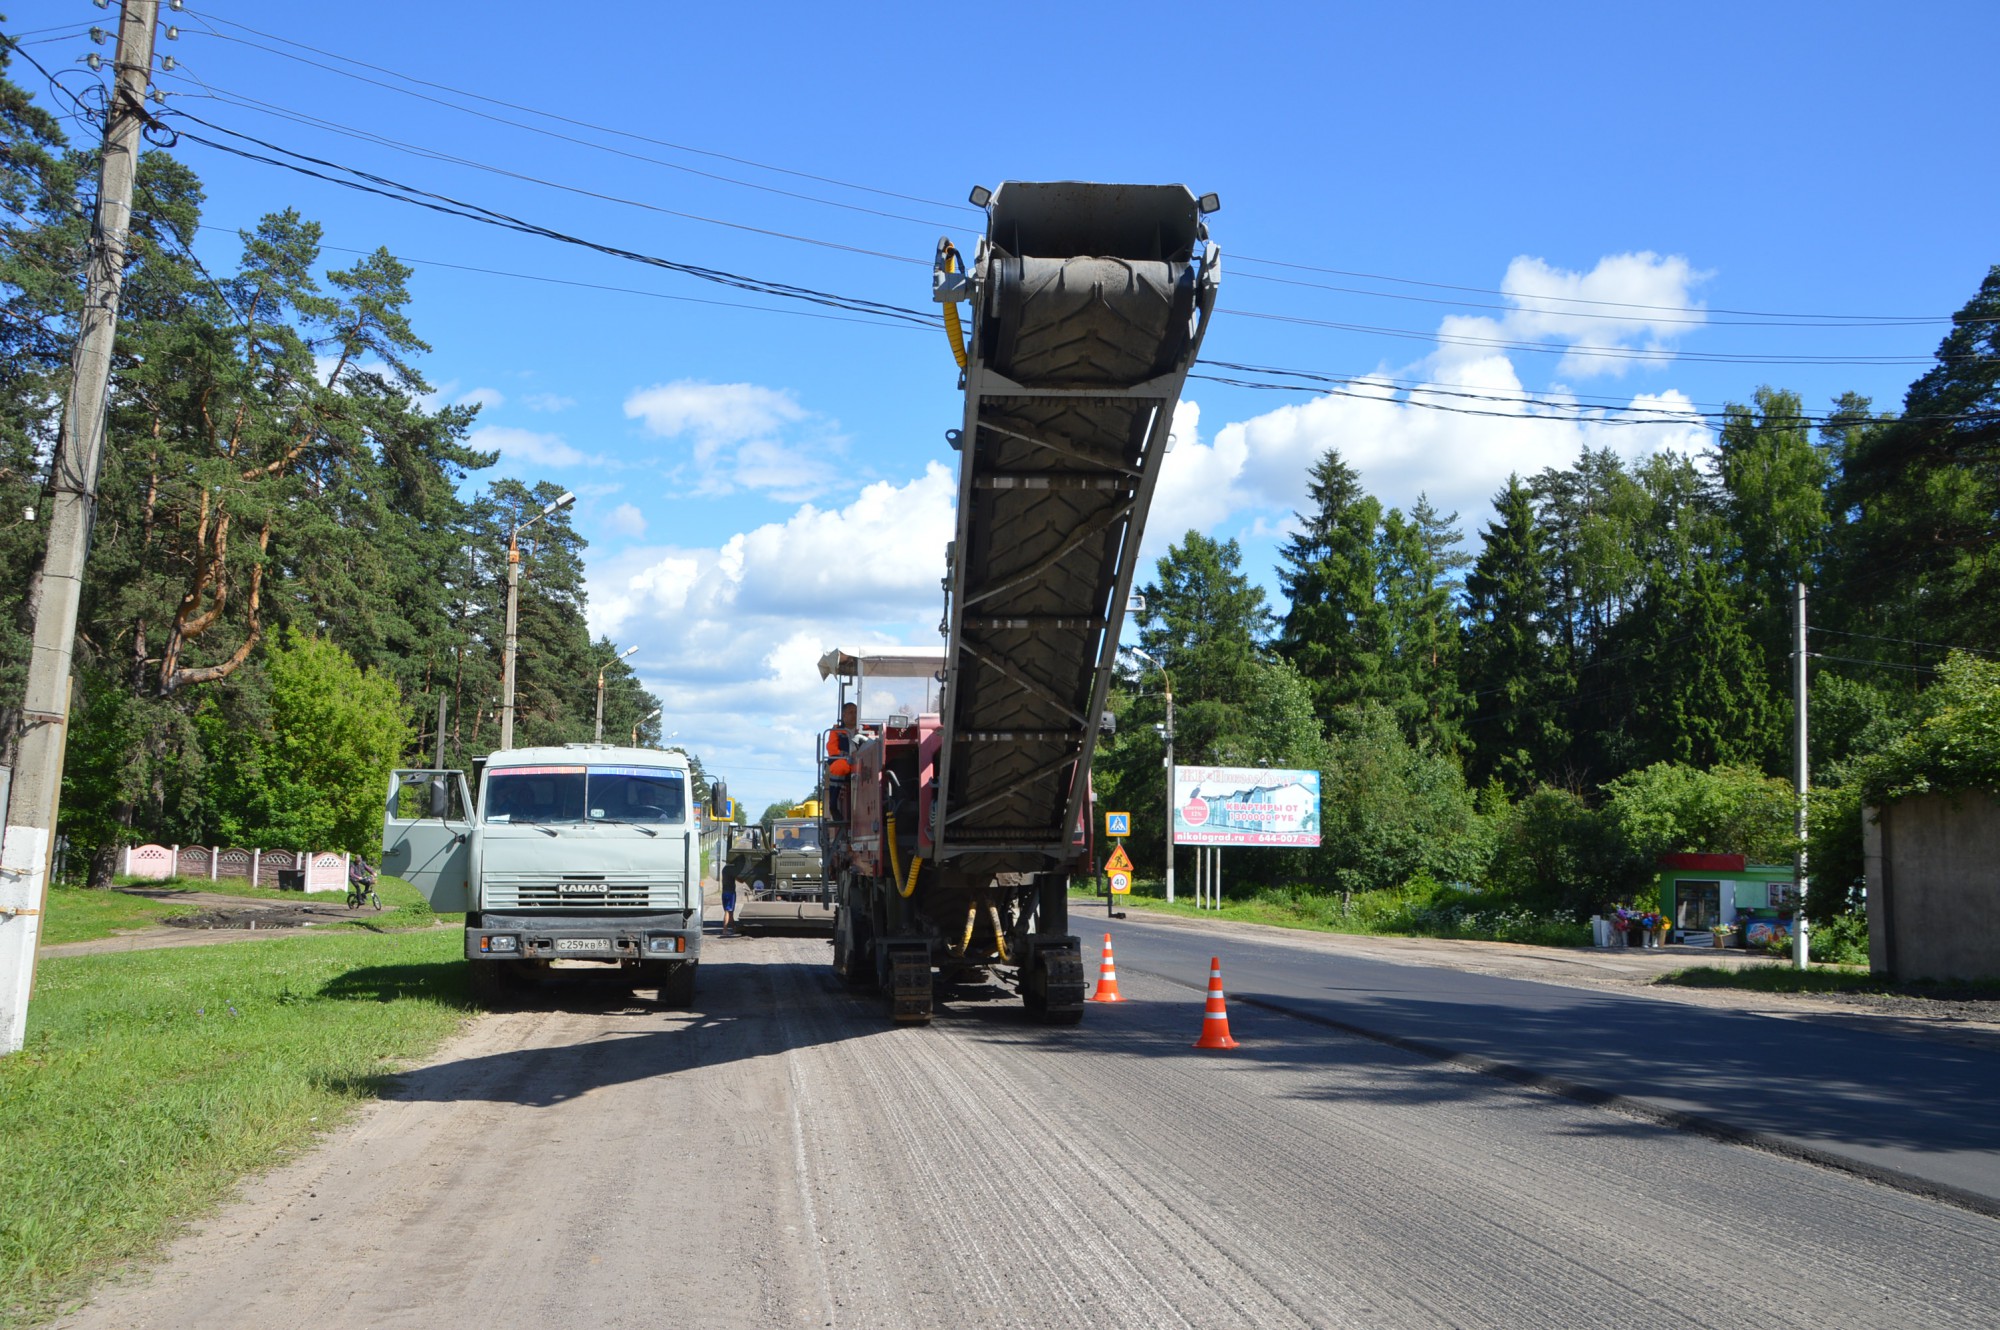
(905, 664)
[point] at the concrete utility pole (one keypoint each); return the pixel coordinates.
(513, 604)
(1168, 734)
(37, 782)
(599, 736)
(1801, 775)
(1167, 737)
(440, 735)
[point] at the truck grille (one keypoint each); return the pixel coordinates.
(620, 891)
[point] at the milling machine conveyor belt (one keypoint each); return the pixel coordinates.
(1088, 307)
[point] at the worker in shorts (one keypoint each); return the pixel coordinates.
(728, 899)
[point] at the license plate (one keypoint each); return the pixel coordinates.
(583, 944)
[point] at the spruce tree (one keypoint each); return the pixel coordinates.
(1329, 572)
(1515, 681)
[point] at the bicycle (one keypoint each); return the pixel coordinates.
(362, 891)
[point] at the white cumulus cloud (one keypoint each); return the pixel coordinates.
(625, 520)
(730, 634)
(743, 436)
(525, 447)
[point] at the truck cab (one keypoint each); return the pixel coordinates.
(584, 853)
(780, 875)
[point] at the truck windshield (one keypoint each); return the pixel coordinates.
(805, 837)
(578, 794)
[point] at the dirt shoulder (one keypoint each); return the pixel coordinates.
(1629, 970)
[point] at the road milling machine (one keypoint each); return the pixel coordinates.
(960, 799)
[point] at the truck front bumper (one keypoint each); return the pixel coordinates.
(527, 937)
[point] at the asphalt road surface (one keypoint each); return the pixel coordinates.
(781, 1156)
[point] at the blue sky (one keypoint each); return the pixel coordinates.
(757, 486)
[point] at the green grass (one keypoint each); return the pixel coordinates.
(1414, 912)
(153, 1080)
(80, 915)
(1779, 977)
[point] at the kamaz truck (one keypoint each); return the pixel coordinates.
(581, 857)
(779, 875)
(962, 807)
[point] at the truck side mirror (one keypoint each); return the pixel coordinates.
(440, 798)
(718, 798)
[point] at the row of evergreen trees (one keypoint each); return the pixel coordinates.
(292, 555)
(1615, 619)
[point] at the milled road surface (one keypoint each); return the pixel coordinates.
(782, 1157)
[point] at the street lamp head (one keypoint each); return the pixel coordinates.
(626, 652)
(568, 498)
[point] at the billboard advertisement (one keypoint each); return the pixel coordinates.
(1246, 806)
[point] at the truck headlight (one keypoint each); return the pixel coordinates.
(666, 944)
(498, 944)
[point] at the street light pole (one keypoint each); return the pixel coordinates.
(513, 601)
(652, 715)
(599, 736)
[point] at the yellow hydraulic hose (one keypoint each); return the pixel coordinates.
(911, 885)
(954, 332)
(999, 935)
(895, 865)
(971, 918)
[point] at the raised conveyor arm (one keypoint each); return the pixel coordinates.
(1089, 303)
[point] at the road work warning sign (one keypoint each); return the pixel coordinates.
(1119, 862)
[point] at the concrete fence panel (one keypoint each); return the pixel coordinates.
(154, 861)
(326, 871)
(236, 865)
(272, 862)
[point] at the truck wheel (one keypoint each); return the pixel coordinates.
(677, 985)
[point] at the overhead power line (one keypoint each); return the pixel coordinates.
(1692, 316)
(574, 122)
(605, 286)
(1368, 388)
(1610, 353)
(1582, 300)
(1801, 320)
(384, 187)
(437, 155)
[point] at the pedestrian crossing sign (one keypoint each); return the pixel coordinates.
(1117, 824)
(1119, 862)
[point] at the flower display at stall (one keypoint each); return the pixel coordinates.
(1651, 925)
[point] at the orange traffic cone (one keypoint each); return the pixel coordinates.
(1215, 1021)
(1107, 977)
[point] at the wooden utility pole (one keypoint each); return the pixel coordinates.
(28, 844)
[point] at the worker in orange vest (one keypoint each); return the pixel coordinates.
(839, 748)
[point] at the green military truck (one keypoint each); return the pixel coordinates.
(779, 876)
